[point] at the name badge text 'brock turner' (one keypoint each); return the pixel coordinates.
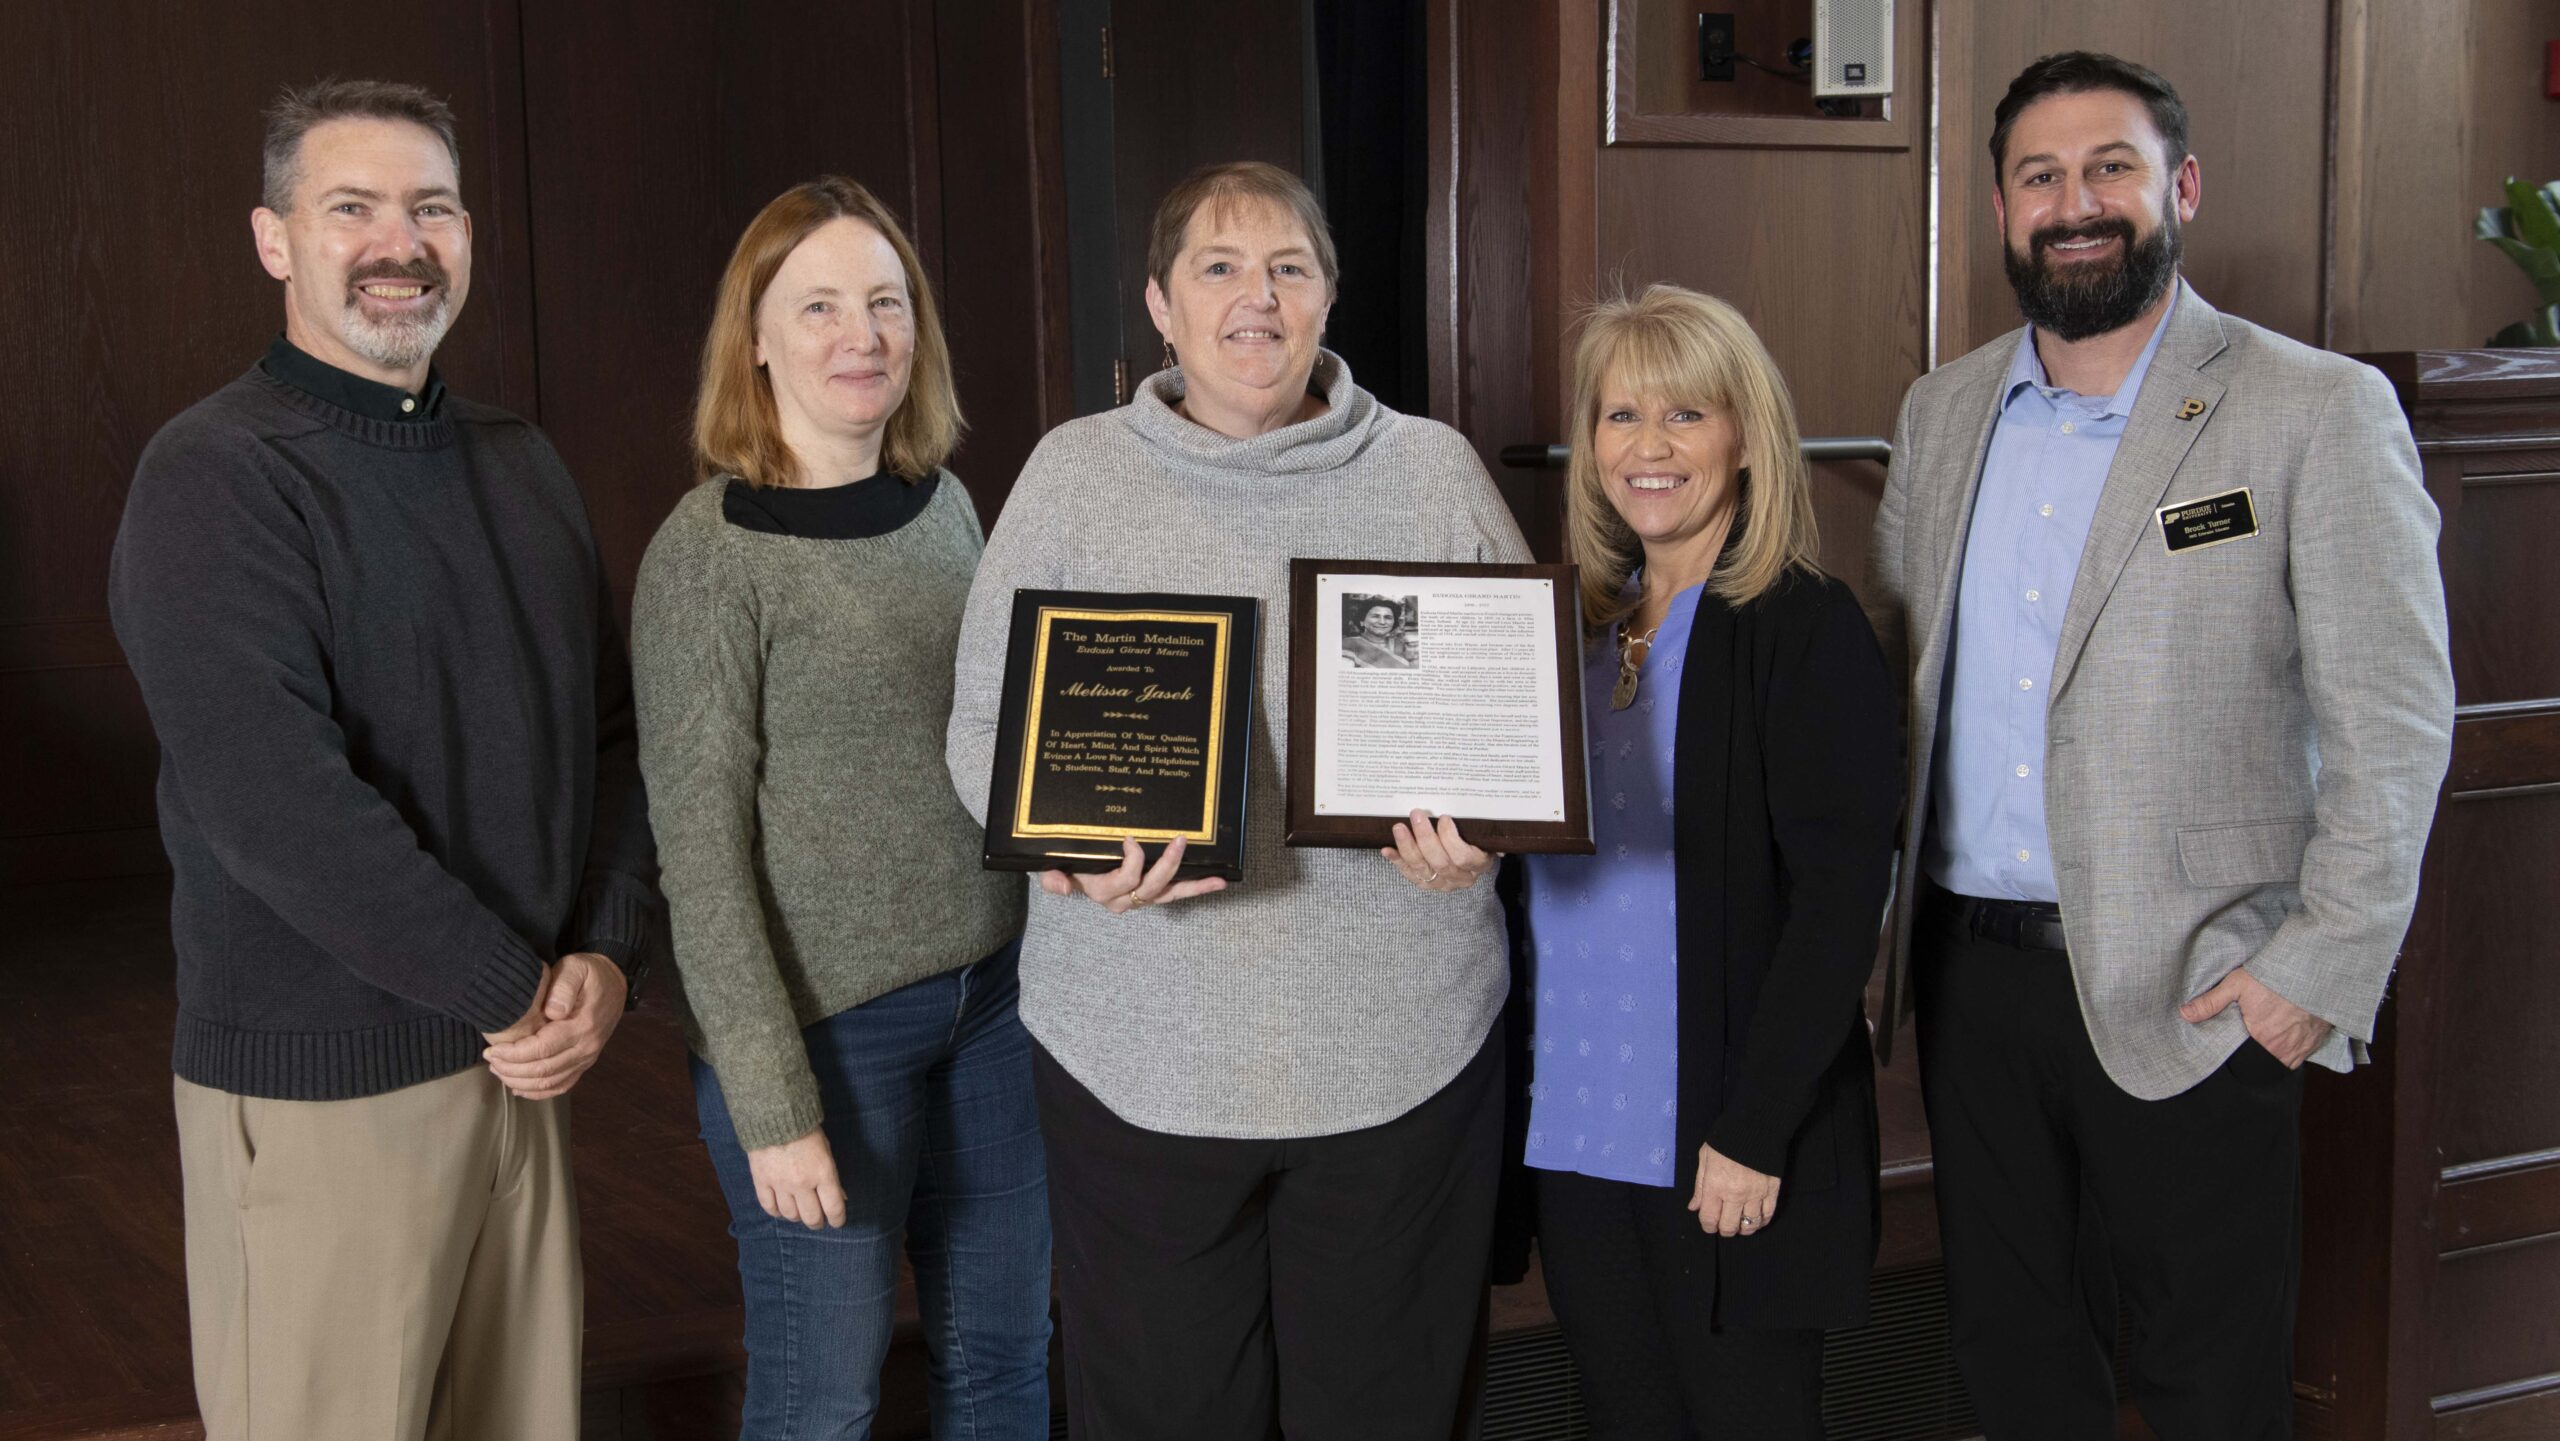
(2213, 520)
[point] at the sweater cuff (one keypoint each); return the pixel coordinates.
(612, 920)
(501, 989)
(771, 1109)
(1749, 1135)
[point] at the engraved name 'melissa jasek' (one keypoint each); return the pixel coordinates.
(1123, 733)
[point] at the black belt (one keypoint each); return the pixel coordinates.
(2026, 925)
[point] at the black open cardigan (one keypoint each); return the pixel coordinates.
(1785, 790)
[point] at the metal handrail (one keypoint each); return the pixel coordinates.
(1816, 448)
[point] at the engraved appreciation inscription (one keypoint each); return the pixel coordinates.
(1124, 717)
(1125, 725)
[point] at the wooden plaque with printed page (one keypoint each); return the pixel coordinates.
(1455, 689)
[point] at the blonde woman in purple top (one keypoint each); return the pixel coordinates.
(1700, 1049)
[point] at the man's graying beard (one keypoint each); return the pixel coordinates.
(2090, 298)
(398, 342)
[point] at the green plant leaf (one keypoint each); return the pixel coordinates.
(2493, 223)
(2551, 192)
(2540, 329)
(2542, 267)
(2537, 219)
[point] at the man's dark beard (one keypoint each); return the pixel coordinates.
(2089, 298)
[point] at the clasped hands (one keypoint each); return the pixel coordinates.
(1430, 854)
(575, 1008)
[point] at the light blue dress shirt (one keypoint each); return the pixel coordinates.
(1605, 938)
(2041, 477)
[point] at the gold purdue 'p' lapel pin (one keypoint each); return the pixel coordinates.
(2190, 408)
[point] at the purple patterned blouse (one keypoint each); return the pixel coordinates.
(1603, 941)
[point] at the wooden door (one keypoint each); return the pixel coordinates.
(1152, 90)
(2431, 1186)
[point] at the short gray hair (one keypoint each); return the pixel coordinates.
(301, 107)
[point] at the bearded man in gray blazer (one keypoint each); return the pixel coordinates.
(2179, 708)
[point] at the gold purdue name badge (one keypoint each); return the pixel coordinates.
(2196, 524)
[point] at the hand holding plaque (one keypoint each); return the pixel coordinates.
(1124, 718)
(1430, 852)
(1136, 885)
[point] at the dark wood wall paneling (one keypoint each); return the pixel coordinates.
(1177, 104)
(2437, 105)
(2445, 1218)
(1004, 258)
(610, 158)
(2255, 79)
(1491, 259)
(1818, 249)
(632, 222)
(656, 137)
(130, 170)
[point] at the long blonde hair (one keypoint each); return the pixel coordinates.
(736, 430)
(1677, 345)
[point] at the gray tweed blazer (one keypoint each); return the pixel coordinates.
(2244, 740)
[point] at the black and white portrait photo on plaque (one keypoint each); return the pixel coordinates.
(1472, 717)
(1378, 632)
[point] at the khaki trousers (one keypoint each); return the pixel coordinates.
(401, 1267)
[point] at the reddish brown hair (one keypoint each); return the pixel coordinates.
(736, 430)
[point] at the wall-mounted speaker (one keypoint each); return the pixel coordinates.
(1852, 48)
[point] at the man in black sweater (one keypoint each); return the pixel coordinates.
(399, 796)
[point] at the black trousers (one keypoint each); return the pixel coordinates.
(2052, 1182)
(1230, 1290)
(1649, 1372)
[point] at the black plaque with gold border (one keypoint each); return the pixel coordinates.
(1124, 716)
(1313, 641)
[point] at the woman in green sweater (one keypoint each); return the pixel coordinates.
(847, 968)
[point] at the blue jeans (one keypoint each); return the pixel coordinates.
(936, 1137)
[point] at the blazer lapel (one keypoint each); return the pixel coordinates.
(2156, 441)
(1946, 516)
(1950, 520)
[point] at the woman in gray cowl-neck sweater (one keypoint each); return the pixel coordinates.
(1273, 1111)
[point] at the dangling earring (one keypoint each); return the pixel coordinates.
(1170, 361)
